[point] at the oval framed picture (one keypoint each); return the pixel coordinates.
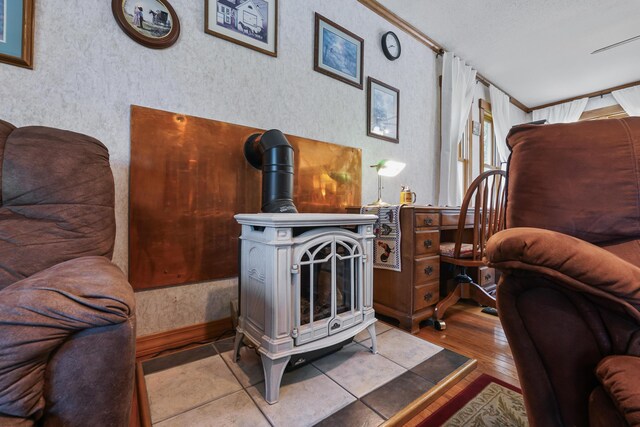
(152, 23)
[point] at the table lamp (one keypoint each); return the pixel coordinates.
(385, 168)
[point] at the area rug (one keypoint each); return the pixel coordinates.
(487, 401)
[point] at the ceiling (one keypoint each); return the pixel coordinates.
(538, 51)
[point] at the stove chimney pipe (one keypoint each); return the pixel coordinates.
(272, 153)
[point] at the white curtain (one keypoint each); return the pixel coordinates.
(458, 85)
(562, 113)
(629, 99)
(500, 106)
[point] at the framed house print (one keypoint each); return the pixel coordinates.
(383, 111)
(338, 52)
(152, 23)
(249, 23)
(16, 32)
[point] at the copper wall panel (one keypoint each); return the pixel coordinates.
(189, 177)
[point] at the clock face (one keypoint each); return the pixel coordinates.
(391, 46)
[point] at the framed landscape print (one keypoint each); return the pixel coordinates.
(338, 52)
(152, 23)
(383, 110)
(249, 23)
(16, 32)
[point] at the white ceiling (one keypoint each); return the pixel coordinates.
(538, 51)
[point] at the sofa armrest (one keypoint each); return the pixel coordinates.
(38, 314)
(570, 261)
(619, 378)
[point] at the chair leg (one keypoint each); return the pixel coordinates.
(466, 288)
(444, 305)
(478, 294)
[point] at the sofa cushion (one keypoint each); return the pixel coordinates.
(620, 378)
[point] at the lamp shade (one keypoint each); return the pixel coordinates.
(389, 167)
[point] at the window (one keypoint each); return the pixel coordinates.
(465, 153)
(611, 112)
(489, 158)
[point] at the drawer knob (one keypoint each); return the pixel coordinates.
(428, 243)
(428, 270)
(428, 296)
(428, 221)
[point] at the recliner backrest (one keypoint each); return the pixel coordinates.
(580, 179)
(57, 196)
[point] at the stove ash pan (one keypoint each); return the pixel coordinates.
(306, 284)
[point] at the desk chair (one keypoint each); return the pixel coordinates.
(487, 192)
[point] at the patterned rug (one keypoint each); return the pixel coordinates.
(487, 401)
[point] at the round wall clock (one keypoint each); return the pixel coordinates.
(391, 45)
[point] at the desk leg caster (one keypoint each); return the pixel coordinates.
(439, 325)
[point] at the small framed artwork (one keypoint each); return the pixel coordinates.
(152, 23)
(249, 23)
(16, 32)
(383, 110)
(338, 52)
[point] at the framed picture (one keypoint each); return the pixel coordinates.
(249, 23)
(338, 52)
(152, 23)
(383, 111)
(16, 32)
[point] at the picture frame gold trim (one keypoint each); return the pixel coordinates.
(150, 42)
(25, 60)
(238, 41)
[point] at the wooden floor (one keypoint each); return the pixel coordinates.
(477, 335)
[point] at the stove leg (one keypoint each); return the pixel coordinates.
(372, 333)
(236, 346)
(273, 370)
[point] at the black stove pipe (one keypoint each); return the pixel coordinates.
(272, 153)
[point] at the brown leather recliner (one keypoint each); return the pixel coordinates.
(569, 298)
(67, 325)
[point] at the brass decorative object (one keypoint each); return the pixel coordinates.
(189, 177)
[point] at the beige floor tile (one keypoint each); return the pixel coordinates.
(307, 396)
(248, 369)
(403, 348)
(234, 410)
(358, 370)
(176, 390)
(364, 335)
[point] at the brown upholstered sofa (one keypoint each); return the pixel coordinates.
(569, 298)
(67, 325)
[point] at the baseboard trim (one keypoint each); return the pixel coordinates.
(150, 345)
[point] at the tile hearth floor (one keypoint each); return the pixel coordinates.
(203, 387)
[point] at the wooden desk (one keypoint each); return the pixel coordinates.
(410, 295)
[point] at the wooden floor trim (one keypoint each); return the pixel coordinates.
(151, 345)
(429, 397)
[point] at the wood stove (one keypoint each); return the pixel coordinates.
(305, 285)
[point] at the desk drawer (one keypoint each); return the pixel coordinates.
(427, 220)
(426, 270)
(427, 242)
(426, 295)
(486, 276)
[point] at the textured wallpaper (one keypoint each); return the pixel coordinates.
(87, 73)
